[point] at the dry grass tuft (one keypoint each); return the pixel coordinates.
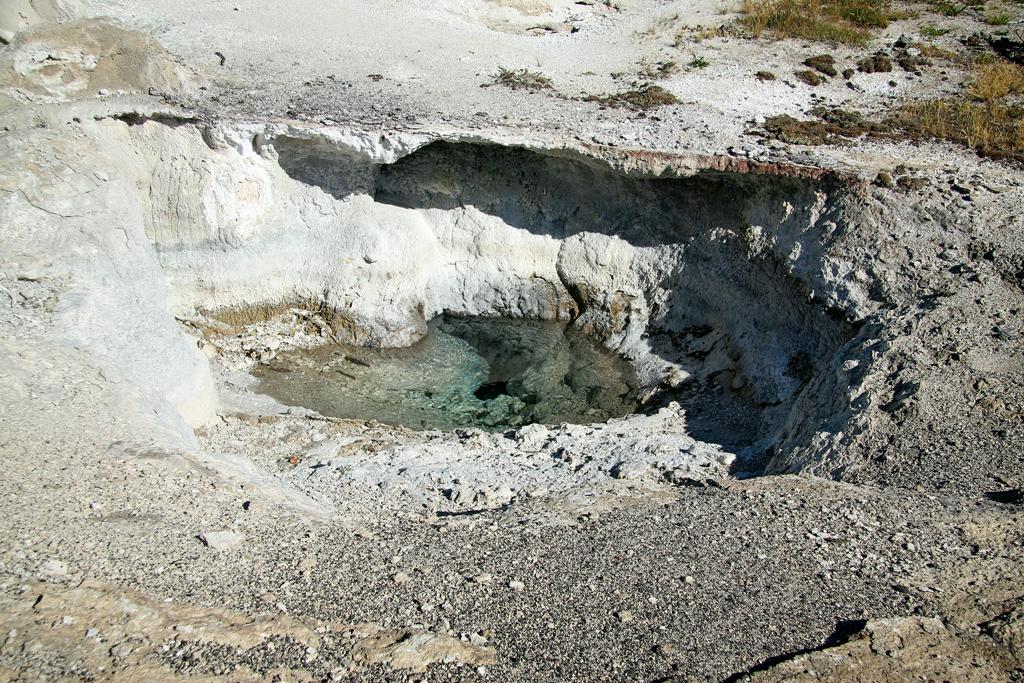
(980, 117)
(832, 126)
(831, 21)
(987, 115)
(930, 51)
(644, 98)
(992, 130)
(698, 34)
(996, 80)
(659, 71)
(522, 79)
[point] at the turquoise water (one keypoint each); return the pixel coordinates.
(491, 373)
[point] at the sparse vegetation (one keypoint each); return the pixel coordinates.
(765, 76)
(993, 130)
(833, 21)
(831, 126)
(698, 34)
(641, 99)
(825, 64)
(933, 31)
(930, 51)
(980, 118)
(995, 81)
(661, 24)
(987, 116)
(657, 71)
(522, 79)
(699, 62)
(876, 63)
(949, 8)
(998, 19)
(984, 59)
(811, 78)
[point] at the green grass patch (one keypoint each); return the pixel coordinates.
(954, 8)
(933, 31)
(998, 19)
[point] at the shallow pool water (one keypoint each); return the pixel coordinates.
(491, 373)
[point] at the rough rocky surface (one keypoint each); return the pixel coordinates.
(825, 481)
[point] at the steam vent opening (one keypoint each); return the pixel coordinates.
(489, 286)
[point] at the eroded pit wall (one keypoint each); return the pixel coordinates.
(715, 277)
(88, 301)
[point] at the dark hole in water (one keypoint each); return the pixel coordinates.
(491, 390)
(492, 373)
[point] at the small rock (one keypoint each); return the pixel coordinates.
(625, 616)
(533, 437)
(516, 585)
(54, 568)
(684, 476)
(460, 494)
(1004, 332)
(630, 470)
(502, 495)
(121, 651)
(220, 540)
